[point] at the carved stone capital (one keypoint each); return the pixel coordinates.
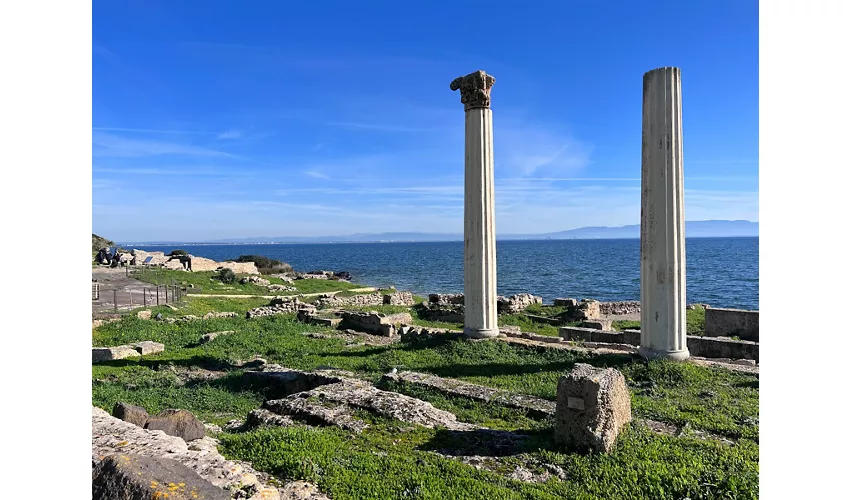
(474, 89)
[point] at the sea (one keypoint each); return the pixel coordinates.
(721, 272)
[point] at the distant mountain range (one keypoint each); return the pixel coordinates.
(693, 229)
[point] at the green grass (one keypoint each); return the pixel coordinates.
(527, 325)
(206, 282)
(695, 319)
(643, 465)
(384, 462)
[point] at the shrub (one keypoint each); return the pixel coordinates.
(227, 275)
(266, 265)
(178, 252)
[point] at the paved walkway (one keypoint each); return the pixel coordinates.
(316, 294)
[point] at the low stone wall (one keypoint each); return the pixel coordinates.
(437, 311)
(516, 303)
(714, 347)
(706, 347)
(729, 322)
(623, 307)
(575, 333)
(446, 298)
(279, 305)
(382, 324)
(366, 299)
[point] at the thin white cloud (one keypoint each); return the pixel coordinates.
(316, 175)
(230, 134)
(110, 145)
(149, 131)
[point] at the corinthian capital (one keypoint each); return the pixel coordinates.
(474, 89)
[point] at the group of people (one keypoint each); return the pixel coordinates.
(116, 259)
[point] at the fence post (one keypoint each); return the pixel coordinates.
(131, 298)
(166, 293)
(145, 296)
(157, 295)
(115, 299)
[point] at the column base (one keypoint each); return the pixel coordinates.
(648, 353)
(480, 333)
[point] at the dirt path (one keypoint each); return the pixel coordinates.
(316, 294)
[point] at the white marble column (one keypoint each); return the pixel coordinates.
(481, 318)
(662, 219)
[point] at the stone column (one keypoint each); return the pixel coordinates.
(662, 219)
(481, 318)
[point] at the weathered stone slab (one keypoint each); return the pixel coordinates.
(130, 413)
(309, 408)
(126, 476)
(99, 354)
(374, 322)
(732, 322)
(593, 406)
(565, 302)
(148, 347)
(598, 324)
(111, 435)
(180, 423)
(262, 416)
(535, 405)
(209, 337)
(575, 333)
(146, 314)
(714, 347)
(333, 404)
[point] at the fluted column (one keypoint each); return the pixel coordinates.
(479, 231)
(663, 324)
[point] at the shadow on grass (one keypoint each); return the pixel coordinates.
(487, 442)
(499, 369)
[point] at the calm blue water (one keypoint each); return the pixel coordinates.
(722, 272)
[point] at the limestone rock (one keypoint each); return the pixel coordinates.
(130, 413)
(593, 406)
(566, 302)
(111, 435)
(516, 303)
(112, 353)
(180, 423)
(129, 476)
(207, 337)
(598, 324)
(148, 347)
(146, 314)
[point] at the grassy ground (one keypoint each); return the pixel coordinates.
(392, 459)
(206, 282)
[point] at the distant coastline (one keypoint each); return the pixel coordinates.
(693, 229)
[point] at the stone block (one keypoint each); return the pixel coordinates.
(130, 476)
(566, 302)
(112, 353)
(180, 423)
(598, 324)
(208, 337)
(146, 314)
(593, 406)
(732, 322)
(130, 413)
(148, 347)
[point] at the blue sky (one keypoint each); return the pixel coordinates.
(236, 119)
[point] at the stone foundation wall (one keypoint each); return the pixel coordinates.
(624, 307)
(729, 322)
(705, 347)
(516, 303)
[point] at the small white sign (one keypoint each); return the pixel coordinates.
(575, 403)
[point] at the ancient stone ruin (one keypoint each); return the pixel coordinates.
(593, 406)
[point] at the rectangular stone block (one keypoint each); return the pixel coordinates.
(112, 353)
(148, 347)
(712, 347)
(593, 406)
(566, 302)
(732, 322)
